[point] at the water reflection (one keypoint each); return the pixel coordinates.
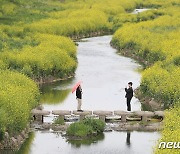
(128, 142)
(43, 142)
(25, 149)
(87, 141)
(7, 152)
(55, 93)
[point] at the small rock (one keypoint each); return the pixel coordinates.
(19, 139)
(6, 136)
(46, 125)
(14, 143)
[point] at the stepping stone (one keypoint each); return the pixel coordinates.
(123, 115)
(82, 114)
(61, 113)
(102, 114)
(39, 114)
(159, 113)
(144, 114)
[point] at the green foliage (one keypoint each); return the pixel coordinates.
(154, 41)
(177, 60)
(157, 42)
(77, 22)
(30, 44)
(79, 129)
(122, 18)
(155, 80)
(43, 55)
(56, 58)
(59, 121)
(171, 131)
(96, 124)
(86, 128)
(18, 95)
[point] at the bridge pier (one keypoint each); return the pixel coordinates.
(38, 115)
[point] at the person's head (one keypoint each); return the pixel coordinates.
(79, 86)
(130, 84)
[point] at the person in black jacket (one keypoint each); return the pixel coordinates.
(129, 95)
(79, 98)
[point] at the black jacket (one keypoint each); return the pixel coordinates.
(79, 93)
(129, 92)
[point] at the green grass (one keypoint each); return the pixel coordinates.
(59, 121)
(85, 128)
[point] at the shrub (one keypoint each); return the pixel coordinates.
(56, 58)
(96, 124)
(18, 95)
(59, 121)
(77, 22)
(171, 131)
(177, 60)
(157, 42)
(86, 128)
(79, 129)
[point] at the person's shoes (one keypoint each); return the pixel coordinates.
(80, 110)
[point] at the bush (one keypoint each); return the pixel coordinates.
(177, 60)
(155, 41)
(161, 84)
(97, 125)
(59, 121)
(77, 22)
(79, 129)
(86, 128)
(171, 131)
(18, 96)
(56, 58)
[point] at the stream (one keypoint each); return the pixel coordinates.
(104, 74)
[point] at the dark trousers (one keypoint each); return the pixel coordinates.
(129, 103)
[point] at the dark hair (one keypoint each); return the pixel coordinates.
(130, 83)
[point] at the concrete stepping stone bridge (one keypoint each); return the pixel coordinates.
(39, 115)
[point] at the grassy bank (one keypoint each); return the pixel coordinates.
(171, 130)
(31, 31)
(156, 42)
(18, 96)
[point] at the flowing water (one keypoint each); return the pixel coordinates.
(104, 74)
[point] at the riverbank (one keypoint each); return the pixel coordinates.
(14, 142)
(153, 42)
(148, 103)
